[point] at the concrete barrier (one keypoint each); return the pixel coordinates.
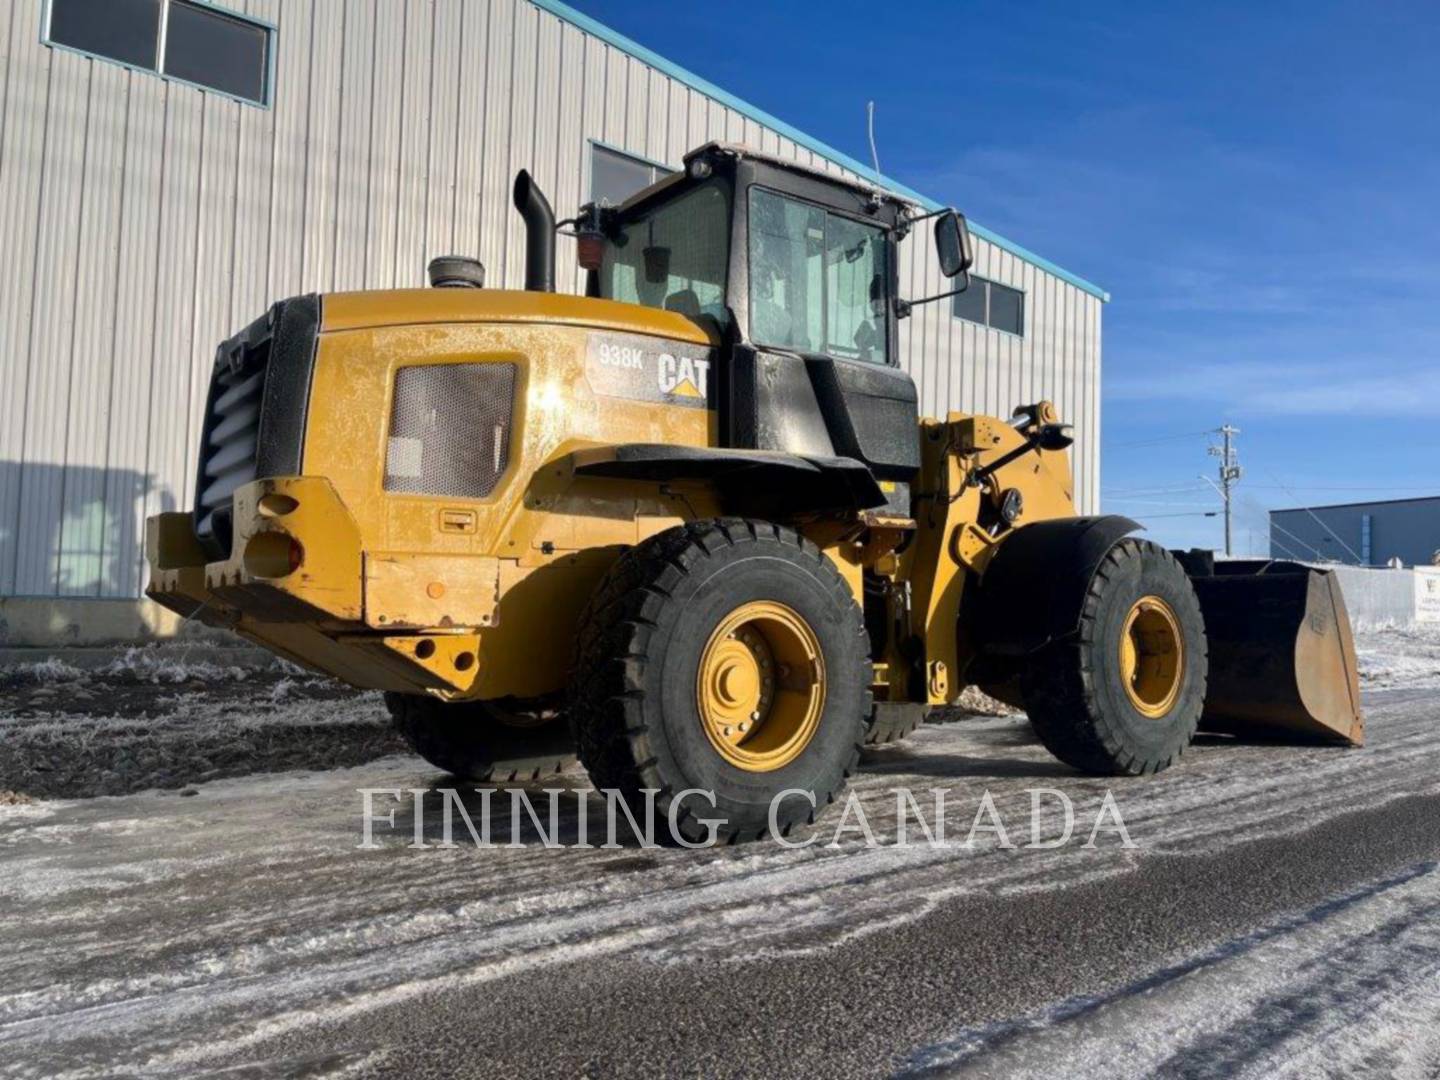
(1377, 596)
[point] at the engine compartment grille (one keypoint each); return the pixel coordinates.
(254, 422)
(450, 429)
(228, 456)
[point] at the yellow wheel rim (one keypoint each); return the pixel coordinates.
(1152, 656)
(760, 689)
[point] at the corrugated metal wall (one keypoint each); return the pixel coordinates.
(142, 221)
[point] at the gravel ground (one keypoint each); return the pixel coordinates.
(153, 718)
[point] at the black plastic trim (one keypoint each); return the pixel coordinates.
(287, 386)
(1034, 589)
(772, 485)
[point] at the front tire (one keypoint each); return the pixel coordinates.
(726, 656)
(1122, 696)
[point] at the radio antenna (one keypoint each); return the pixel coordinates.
(870, 127)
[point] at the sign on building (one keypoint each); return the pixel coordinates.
(1427, 594)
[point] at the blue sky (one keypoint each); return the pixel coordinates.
(1257, 185)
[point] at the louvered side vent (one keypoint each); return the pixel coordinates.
(450, 429)
(255, 413)
(232, 426)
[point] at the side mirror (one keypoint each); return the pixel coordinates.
(952, 243)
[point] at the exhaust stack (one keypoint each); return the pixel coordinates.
(539, 234)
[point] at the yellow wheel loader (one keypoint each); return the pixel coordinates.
(691, 526)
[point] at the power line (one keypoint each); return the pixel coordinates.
(1362, 487)
(1159, 439)
(1358, 560)
(1158, 503)
(1275, 526)
(1288, 553)
(1123, 492)
(1318, 553)
(1205, 513)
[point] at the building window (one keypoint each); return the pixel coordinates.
(615, 175)
(991, 304)
(189, 41)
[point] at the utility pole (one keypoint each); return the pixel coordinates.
(1230, 471)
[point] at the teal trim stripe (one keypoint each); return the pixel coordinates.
(760, 116)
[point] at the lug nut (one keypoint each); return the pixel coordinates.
(744, 725)
(729, 731)
(755, 715)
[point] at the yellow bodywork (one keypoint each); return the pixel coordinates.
(466, 598)
(480, 598)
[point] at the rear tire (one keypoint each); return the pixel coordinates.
(1122, 696)
(893, 722)
(643, 716)
(502, 742)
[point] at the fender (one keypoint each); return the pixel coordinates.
(759, 482)
(1034, 588)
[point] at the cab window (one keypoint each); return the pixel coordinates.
(672, 256)
(817, 280)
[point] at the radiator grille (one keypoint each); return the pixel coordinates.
(232, 425)
(450, 429)
(254, 420)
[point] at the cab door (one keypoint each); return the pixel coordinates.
(816, 374)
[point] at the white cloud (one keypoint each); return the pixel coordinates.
(1371, 388)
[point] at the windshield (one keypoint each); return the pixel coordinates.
(672, 256)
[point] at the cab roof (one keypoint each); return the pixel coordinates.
(741, 150)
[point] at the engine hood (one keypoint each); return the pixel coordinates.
(423, 307)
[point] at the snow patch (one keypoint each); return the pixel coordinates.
(1396, 657)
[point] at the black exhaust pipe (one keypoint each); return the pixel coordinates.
(539, 234)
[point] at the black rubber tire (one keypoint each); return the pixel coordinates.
(638, 653)
(893, 722)
(1072, 688)
(480, 741)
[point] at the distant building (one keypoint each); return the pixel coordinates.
(1365, 534)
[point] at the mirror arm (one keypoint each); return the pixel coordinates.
(904, 307)
(933, 213)
(906, 223)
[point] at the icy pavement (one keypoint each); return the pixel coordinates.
(1350, 988)
(162, 934)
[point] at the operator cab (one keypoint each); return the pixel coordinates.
(794, 272)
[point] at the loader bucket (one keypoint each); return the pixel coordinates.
(1282, 659)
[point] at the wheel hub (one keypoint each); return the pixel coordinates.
(1152, 656)
(760, 688)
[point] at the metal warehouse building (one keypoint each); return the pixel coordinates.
(1365, 534)
(169, 168)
